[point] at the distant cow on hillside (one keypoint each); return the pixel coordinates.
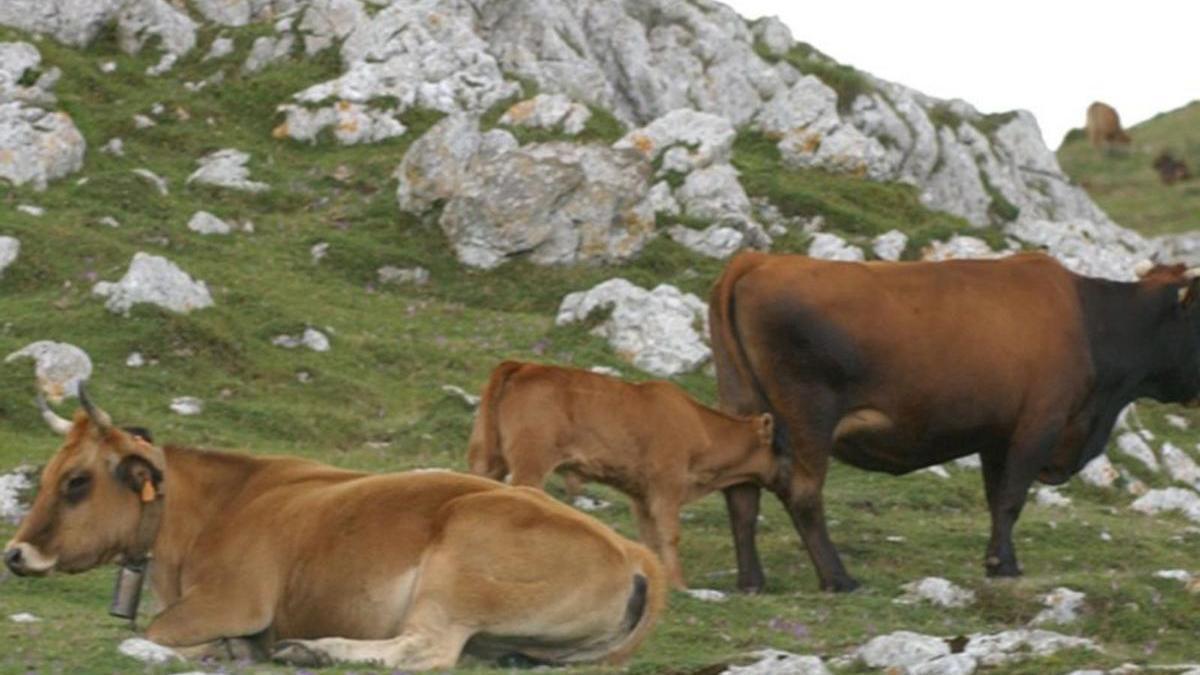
(1170, 170)
(1104, 126)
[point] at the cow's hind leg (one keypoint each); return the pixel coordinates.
(807, 508)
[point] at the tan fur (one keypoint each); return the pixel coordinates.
(1104, 126)
(649, 440)
(405, 570)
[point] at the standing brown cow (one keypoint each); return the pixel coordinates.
(1104, 126)
(317, 564)
(649, 440)
(898, 366)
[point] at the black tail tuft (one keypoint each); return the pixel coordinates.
(637, 603)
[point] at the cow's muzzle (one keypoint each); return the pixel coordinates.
(25, 560)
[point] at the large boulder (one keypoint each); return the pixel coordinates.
(37, 145)
(556, 203)
(660, 331)
(154, 280)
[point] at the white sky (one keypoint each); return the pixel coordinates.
(1052, 57)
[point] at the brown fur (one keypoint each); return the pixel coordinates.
(649, 440)
(1104, 126)
(897, 366)
(407, 570)
(1171, 170)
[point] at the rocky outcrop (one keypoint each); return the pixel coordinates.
(660, 331)
(551, 112)
(554, 203)
(37, 145)
(157, 281)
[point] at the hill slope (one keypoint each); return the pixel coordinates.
(374, 401)
(1125, 184)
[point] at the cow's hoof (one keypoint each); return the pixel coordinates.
(1000, 570)
(841, 585)
(299, 655)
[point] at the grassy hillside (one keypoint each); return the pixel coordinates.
(374, 402)
(1124, 182)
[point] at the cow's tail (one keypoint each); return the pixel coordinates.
(484, 457)
(646, 600)
(739, 389)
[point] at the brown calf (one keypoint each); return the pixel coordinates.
(649, 440)
(404, 570)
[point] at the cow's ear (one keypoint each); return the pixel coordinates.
(140, 476)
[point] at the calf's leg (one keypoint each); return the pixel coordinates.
(664, 518)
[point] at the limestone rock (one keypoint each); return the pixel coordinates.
(436, 165)
(1093, 248)
(59, 367)
(937, 591)
(142, 21)
(1180, 467)
(557, 203)
(73, 22)
(148, 652)
(548, 111)
(1099, 473)
(713, 193)
(268, 49)
(828, 246)
(155, 280)
(707, 595)
(901, 649)
(1133, 445)
(158, 182)
(703, 139)
(187, 405)
(890, 245)
(310, 338)
(16, 489)
(219, 49)
(10, 248)
(36, 144)
(715, 241)
(328, 21)
(660, 331)
(774, 35)
(1062, 606)
(416, 276)
(951, 664)
(226, 168)
(351, 123)
(1183, 500)
(206, 223)
(22, 617)
(958, 247)
(775, 662)
(1014, 645)
(1050, 497)
(241, 12)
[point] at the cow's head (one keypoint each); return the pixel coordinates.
(93, 495)
(1177, 343)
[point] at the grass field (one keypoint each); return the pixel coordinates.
(1124, 183)
(374, 402)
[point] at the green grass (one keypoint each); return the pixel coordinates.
(1124, 183)
(374, 402)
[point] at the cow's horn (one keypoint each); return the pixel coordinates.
(1143, 268)
(98, 416)
(57, 424)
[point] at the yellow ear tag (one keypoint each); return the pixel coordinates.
(148, 492)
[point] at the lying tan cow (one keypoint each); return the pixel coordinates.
(649, 440)
(258, 554)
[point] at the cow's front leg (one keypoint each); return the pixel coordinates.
(1006, 480)
(742, 502)
(208, 614)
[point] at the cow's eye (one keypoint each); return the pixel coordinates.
(77, 486)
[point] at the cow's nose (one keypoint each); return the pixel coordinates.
(14, 560)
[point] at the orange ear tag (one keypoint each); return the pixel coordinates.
(148, 492)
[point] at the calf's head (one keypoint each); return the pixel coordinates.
(94, 490)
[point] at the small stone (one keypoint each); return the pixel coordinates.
(605, 370)
(1169, 499)
(157, 109)
(226, 169)
(206, 223)
(937, 470)
(142, 122)
(304, 377)
(1176, 575)
(135, 360)
(969, 462)
(35, 211)
(220, 48)
(154, 179)
(828, 246)
(586, 503)
(901, 649)
(10, 249)
(109, 221)
(1180, 467)
(775, 662)
(108, 67)
(937, 591)
(310, 338)
(115, 146)
(458, 392)
(1177, 421)
(707, 594)
(1099, 473)
(1062, 606)
(148, 652)
(319, 251)
(958, 247)
(417, 276)
(1050, 497)
(154, 280)
(1136, 447)
(187, 405)
(23, 617)
(890, 245)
